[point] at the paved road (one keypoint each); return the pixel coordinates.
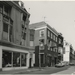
(70, 71)
(48, 70)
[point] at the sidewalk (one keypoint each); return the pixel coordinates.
(21, 70)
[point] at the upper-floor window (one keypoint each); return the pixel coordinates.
(7, 10)
(23, 35)
(56, 38)
(1, 7)
(7, 32)
(59, 41)
(51, 35)
(31, 37)
(48, 33)
(5, 27)
(41, 33)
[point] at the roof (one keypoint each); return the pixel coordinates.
(37, 25)
(41, 24)
(14, 4)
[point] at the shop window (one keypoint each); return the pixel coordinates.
(6, 59)
(23, 59)
(16, 59)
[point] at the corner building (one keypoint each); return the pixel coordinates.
(14, 36)
(46, 44)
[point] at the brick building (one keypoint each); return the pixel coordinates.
(46, 44)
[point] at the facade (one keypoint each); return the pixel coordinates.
(46, 44)
(68, 52)
(60, 47)
(14, 32)
(32, 48)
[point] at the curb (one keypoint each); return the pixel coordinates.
(29, 71)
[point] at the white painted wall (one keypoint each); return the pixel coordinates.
(66, 56)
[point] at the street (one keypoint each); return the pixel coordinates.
(54, 70)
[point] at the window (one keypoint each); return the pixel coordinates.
(6, 59)
(51, 35)
(31, 37)
(42, 33)
(5, 27)
(56, 38)
(31, 43)
(23, 35)
(48, 33)
(5, 32)
(10, 33)
(1, 8)
(16, 59)
(41, 44)
(23, 59)
(49, 44)
(24, 18)
(59, 41)
(6, 10)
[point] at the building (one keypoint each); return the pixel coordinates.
(14, 36)
(32, 47)
(46, 44)
(60, 47)
(68, 52)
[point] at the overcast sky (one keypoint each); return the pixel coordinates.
(59, 15)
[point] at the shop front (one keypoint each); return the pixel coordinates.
(12, 58)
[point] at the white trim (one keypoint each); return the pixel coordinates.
(14, 49)
(40, 28)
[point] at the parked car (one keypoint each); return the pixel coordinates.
(65, 63)
(71, 64)
(59, 65)
(62, 64)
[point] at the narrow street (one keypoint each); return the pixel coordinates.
(53, 70)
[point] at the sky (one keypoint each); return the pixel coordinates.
(58, 14)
